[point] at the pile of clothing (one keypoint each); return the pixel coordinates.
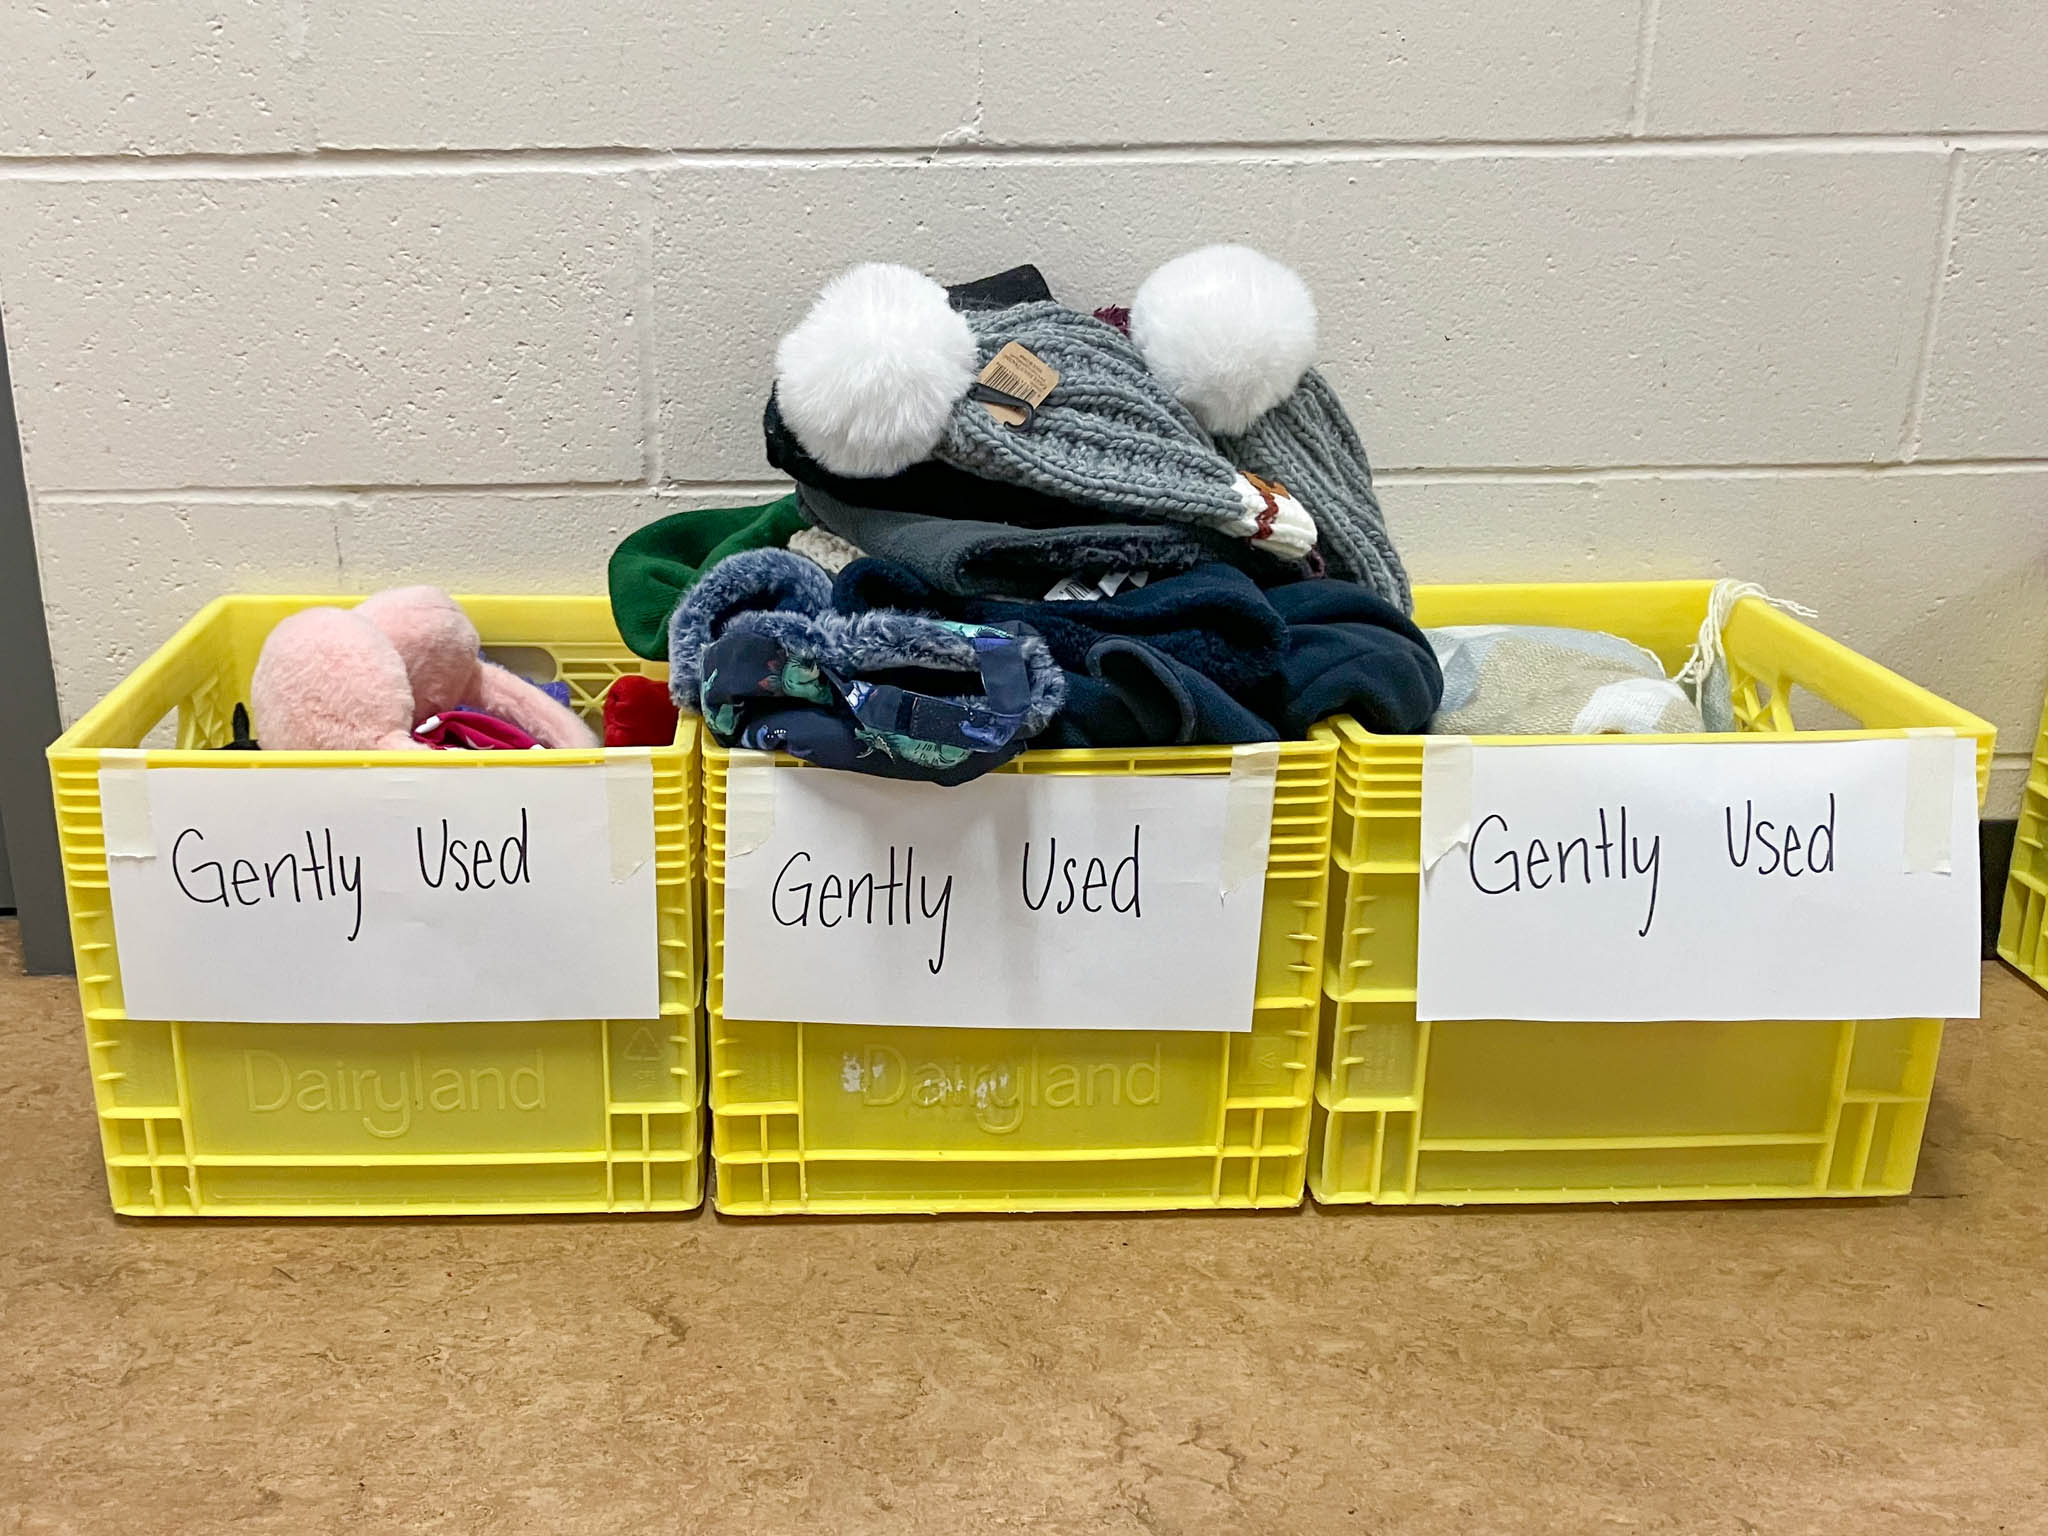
(1020, 524)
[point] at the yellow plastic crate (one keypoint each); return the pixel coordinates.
(1036, 1119)
(1520, 1112)
(2023, 922)
(554, 1115)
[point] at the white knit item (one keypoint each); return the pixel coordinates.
(824, 549)
(1290, 533)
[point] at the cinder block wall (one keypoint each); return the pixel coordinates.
(322, 294)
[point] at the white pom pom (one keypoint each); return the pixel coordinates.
(1228, 330)
(869, 378)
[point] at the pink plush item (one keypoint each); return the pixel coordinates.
(328, 681)
(359, 680)
(439, 646)
(435, 640)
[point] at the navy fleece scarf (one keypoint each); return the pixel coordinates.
(1213, 619)
(1203, 659)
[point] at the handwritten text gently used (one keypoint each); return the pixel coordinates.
(458, 864)
(1768, 847)
(1644, 881)
(362, 895)
(797, 898)
(1017, 901)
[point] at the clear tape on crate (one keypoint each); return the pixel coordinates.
(749, 800)
(628, 800)
(1248, 812)
(124, 804)
(1446, 796)
(1930, 799)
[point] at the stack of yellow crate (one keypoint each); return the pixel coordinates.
(1335, 1084)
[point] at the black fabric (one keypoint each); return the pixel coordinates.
(972, 558)
(1017, 285)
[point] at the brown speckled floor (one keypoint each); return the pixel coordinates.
(1828, 1368)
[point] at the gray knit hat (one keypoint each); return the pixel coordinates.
(879, 375)
(1233, 334)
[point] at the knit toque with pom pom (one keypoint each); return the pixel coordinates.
(879, 377)
(1232, 333)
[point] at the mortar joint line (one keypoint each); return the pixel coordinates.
(622, 160)
(359, 496)
(644, 332)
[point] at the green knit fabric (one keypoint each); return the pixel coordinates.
(653, 567)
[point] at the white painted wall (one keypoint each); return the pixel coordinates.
(322, 294)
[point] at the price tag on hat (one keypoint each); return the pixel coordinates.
(1022, 375)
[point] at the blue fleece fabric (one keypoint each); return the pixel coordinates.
(757, 650)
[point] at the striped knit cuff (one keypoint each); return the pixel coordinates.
(1272, 520)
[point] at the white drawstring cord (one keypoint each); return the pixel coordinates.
(1706, 650)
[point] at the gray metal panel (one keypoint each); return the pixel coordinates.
(28, 715)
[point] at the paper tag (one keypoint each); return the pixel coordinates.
(1073, 589)
(1017, 370)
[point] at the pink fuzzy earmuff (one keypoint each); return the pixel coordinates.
(351, 680)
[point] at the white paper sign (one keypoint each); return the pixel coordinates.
(384, 895)
(1765, 880)
(1016, 901)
